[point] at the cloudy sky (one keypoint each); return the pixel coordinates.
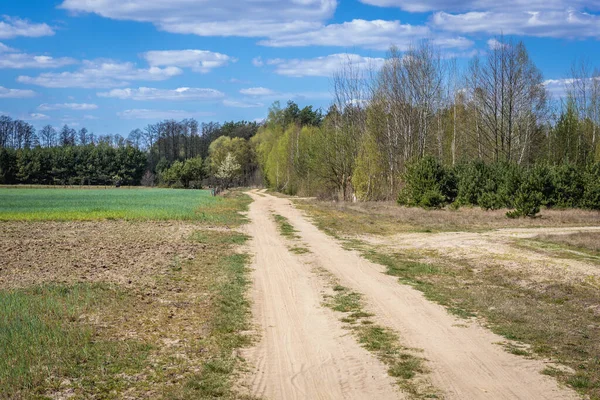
(114, 65)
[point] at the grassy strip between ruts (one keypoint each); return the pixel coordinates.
(403, 363)
(285, 228)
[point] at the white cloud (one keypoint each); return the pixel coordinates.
(101, 74)
(23, 60)
(377, 34)
(494, 44)
(68, 106)
(257, 61)
(325, 66)
(37, 116)
(559, 87)
(257, 91)
(12, 27)
(242, 104)
(202, 61)
(268, 94)
(568, 23)
(5, 49)
(15, 93)
(248, 18)
(161, 114)
(12, 58)
(464, 5)
(145, 93)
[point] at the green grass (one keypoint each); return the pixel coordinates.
(129, 204)
(44, 343)
(299, 250)
(285, 228)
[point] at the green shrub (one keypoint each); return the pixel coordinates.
(528, 198)
(471, 179)
(568, 186)
(428, 184)
(591, 195)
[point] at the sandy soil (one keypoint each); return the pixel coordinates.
(303, 353)
(497, 247)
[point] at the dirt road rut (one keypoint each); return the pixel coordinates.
(304, 353)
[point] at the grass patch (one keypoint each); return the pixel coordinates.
(579, 245)
(299, 250)
(129, 204)
(285, 228)
(382, 342)
(45, 342)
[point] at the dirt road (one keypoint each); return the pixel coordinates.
(304, 354)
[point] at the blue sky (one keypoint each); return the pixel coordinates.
(115, 65)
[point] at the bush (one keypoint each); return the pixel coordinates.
(471, 182)
(528, 198)
(428, 184)
(568, 186)
(591, 195)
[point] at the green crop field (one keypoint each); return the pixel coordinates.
(42, 204)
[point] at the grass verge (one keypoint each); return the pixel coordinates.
(231, 317)
(387, 218)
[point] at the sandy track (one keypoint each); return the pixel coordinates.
(303, 352)
(465, 362)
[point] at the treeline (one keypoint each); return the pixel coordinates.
(169, 153)
(417, 105)
(94, 164)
